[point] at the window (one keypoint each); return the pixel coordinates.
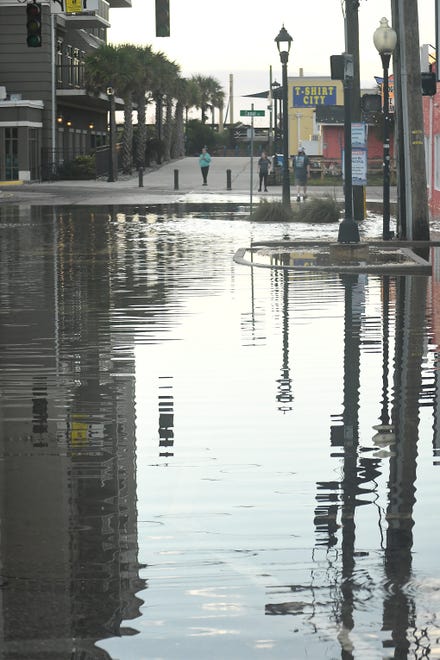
(11, 154)
(69, 62)
(59, 62)
(75, 67)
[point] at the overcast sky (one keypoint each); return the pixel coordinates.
(237, 37)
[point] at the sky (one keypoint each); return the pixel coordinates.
(237, 37)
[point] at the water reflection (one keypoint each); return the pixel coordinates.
(142, 379)
(68, 552)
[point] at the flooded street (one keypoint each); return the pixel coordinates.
(204, 460)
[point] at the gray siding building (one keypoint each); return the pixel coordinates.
(46, 116)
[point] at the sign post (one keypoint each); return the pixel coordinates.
(252, 113)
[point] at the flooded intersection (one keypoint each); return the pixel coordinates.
(203, 459)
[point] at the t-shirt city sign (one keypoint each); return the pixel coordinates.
(309, 96)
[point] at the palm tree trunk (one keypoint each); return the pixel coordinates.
(127, 137)
(141, 133)
(178, 144)
(167, 133)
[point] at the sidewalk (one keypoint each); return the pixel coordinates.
(159, 187)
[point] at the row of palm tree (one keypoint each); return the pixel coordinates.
(141, 76)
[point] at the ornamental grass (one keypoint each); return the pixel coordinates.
(316, 210)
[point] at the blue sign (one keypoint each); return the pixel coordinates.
(309, 96)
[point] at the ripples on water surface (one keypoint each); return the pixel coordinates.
(189, 461)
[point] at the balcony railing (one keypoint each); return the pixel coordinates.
(70, 76)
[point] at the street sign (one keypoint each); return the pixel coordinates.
(252, 113)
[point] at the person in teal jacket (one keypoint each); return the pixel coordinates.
(204, 162)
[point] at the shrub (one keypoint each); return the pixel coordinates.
(272, 212)
(319, 209)
(81, 167)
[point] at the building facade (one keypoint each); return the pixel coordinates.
(306, 94)
(46, 116)
(431, 117)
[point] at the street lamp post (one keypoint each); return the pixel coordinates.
(112, 169)
(348, 228)
(275, 95)
(385, 39)
(284, 41)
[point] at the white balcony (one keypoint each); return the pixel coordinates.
(95, 15)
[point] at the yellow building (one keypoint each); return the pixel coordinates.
(304, 94)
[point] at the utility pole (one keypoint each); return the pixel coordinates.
(352, 47)
(412, 193)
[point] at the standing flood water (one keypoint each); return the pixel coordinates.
(203, 460)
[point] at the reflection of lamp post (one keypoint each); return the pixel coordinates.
(385, 39)
(385, 431)
(285, 396)
(284, 41)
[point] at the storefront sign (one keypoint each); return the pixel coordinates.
(309, 96)
(73, 6)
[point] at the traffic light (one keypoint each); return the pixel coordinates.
(162, 18)
(429, 83)
(33, 24)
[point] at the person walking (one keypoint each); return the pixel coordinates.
(301, 168)
(264, 164)
(204, 162)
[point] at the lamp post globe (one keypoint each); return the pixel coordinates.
(284, 41)
(385, 41)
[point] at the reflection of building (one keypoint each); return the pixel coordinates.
(46, 116)
(67, 442)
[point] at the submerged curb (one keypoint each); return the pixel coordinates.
(396, 257)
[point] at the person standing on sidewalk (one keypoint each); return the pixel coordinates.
(301, 168)
(264, 164)
(204, 162)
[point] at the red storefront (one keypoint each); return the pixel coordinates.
(431, 116)
(331, 120)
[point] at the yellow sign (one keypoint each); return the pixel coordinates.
(78, 433)
(73, 6)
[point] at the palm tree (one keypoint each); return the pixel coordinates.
(192, 97)
(217, 100)
(187, 96)
(210, 92)
(129, 67)
(160, 82)
(111, 66)
(170, 84)
(145, 64)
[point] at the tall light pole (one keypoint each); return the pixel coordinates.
(275, 95)
(113, 167)
(342, 69)
(385, 40)
(284, 41)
